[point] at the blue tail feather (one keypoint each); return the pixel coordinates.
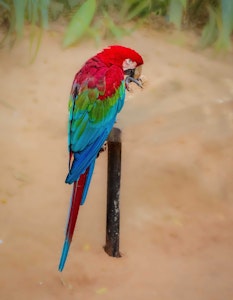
(65, 251)
(88, 180)
(66, 245)
(84, 161)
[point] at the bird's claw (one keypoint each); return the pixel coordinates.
(131, 79)
(103, 148)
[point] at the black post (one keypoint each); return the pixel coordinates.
(113, 193)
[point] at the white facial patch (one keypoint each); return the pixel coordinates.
(128, 64)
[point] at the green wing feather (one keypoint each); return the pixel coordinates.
(89, 116)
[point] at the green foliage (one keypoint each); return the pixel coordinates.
(209, 33)
(215, 15)
(225, 25)
(104, 18)
(15, 13)
(176, 9)
(160, 7)
(134, 8)
(79, 22)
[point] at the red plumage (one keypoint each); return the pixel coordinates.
(115, 55)
(95, 70)
(99, 79)
(110, 60)
(75, 204)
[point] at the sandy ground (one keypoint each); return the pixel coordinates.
(176, 196)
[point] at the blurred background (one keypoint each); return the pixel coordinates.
(177, 163)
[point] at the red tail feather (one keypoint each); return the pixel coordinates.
(75, 204)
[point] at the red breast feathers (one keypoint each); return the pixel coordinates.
(105, 70)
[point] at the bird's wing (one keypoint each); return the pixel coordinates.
(94, 103)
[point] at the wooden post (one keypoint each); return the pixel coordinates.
(113, 193)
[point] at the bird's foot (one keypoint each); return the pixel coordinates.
(103, 148)
(130, 79)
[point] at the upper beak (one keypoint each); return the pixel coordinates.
(137, 72)
(134, 73)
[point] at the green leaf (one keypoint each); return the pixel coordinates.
(5, 5)
(56, 8)
(125, 8)
(138, 9)
(44, 4)
(225, 26)
(209, 33)
(79, 23)
(183, 2)
(115, 30)
(19, 7)
(73, 3)
(35, 41)
(95, 34)
(227, 15)
(176, 12)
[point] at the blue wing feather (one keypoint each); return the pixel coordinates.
(83, 159)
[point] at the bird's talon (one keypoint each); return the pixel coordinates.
(103, 148)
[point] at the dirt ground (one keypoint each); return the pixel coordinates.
(177, 172)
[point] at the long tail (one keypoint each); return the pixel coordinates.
(78, 197)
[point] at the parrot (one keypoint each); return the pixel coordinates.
(97, 96)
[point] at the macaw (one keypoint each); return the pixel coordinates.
(97, 96)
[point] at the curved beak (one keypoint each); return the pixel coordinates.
(133, 76)
(137, 72)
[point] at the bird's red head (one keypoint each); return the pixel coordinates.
(121, 56)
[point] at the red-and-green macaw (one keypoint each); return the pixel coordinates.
(97, 96)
